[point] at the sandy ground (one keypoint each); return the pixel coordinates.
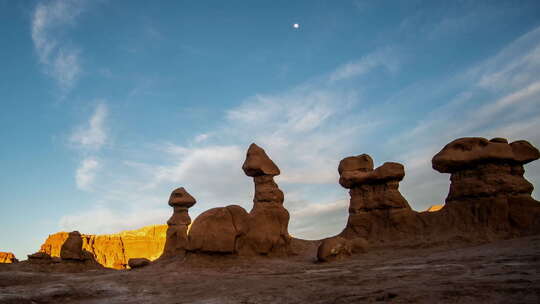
(501, 272)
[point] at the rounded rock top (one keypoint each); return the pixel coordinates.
(464, 152)
(181, 198)
(257, 163)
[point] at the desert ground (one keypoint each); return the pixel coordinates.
(505, 271)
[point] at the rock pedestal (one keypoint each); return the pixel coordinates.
(177, 241)
(267, 222)
(377, 210)
(488, 190)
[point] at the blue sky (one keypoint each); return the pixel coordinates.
(107, 106)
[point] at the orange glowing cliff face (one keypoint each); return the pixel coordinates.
(115, 250)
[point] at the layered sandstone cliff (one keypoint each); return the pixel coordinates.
(115, 250)
(7, 257)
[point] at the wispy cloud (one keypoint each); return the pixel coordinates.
(61, 60)
(386, 58)
(86, 173)
(92, 135)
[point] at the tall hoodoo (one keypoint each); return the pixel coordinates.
(267, 223)
(487, 184)
(377, 210)
(177, 240)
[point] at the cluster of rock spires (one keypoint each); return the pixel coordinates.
(488, 199)
(231, 229)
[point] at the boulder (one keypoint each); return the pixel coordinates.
(217, 229)
(334, 249)
(138, 262)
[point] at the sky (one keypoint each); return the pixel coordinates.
(107, 106)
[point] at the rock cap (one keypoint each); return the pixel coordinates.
(181, 198)
(355, 170)
(464, 152)
(258, 163)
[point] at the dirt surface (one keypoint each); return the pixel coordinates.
(501, 272)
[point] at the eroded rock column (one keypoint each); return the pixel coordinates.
(487, 187)
(177, 240)
(377, 210)
(267, 223)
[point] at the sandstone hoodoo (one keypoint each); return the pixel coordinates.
(7, 258)
(377, 210)
(267, 223)
(488, 192)
(177, 239)
(231, 229)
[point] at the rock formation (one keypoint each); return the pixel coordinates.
(232, 230)
(72, 247)
(218, 229)
(114, 250)
(377, 210)
(7, 258)
(138, 262)
(177, 240)
(267, 223)
(488, 198)
(488, 193)
(334, 249)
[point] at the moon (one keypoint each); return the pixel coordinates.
(296, 25)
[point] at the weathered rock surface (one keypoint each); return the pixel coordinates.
(138, 262)
(72, 247)
(177, 226)
(488, 192)
(489, 198)
(334, 249)
(377, 210)
(217, 229)
(7, 258)
(114, 250)
(262, 231)
(267, 223)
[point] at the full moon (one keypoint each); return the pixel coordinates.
(296, 25)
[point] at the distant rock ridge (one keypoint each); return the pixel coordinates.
(7, 258)
(114, 250)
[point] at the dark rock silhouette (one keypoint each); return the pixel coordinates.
(72, 247)
(138, 262)
(177, 240)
